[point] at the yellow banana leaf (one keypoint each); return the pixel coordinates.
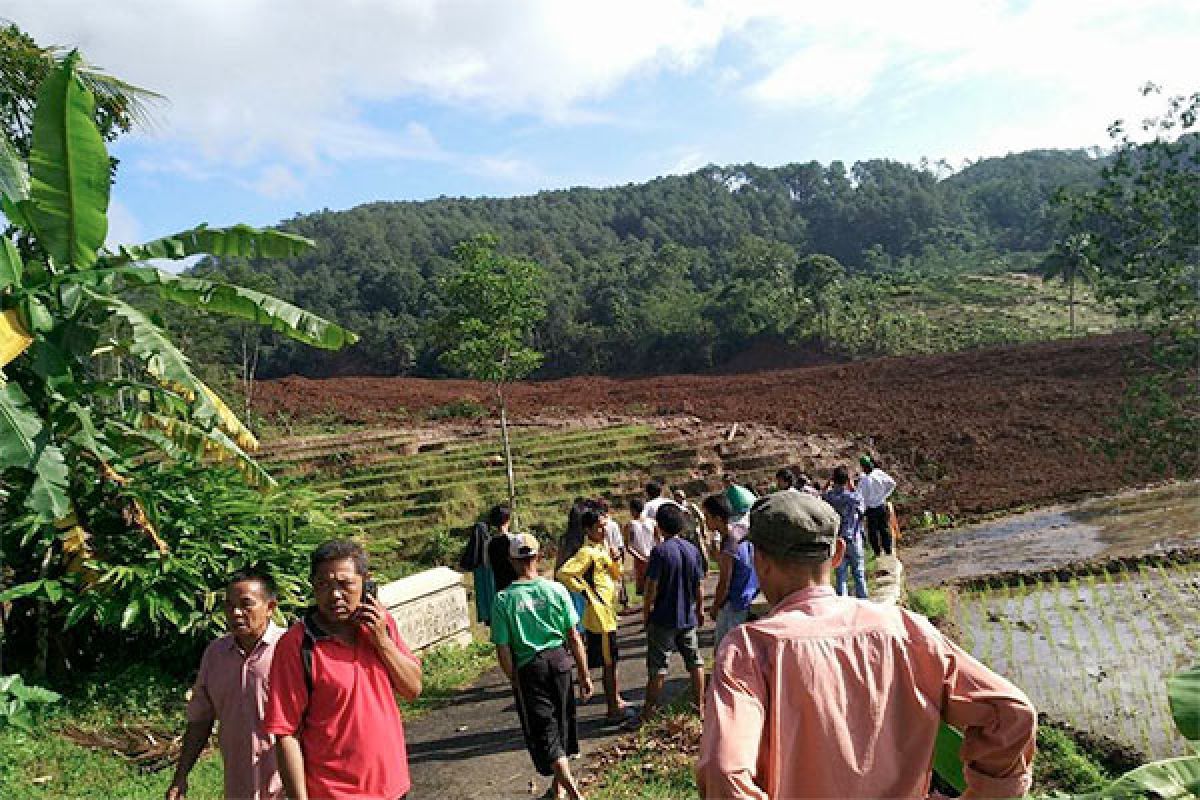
(13, 337)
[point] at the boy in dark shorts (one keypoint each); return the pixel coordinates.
(674, 609)
(594, 571)
(533, 625)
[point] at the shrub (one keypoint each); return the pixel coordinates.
(465, 408)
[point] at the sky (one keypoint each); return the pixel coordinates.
(279, 107)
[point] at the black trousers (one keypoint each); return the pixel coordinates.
(879, 534)
(546, 705)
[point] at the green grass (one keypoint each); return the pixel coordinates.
(1062, 765)
(45, 764)
(930, 602)
(656, 763)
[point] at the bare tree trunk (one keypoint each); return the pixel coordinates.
(42, 657)
(508, 462)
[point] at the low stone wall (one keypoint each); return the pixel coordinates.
(430, 608)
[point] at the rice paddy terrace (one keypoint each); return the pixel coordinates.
(404, 486)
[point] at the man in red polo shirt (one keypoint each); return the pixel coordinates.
(338, 731)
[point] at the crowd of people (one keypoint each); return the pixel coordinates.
(817, 694)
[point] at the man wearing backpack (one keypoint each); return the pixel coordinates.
(331, 703)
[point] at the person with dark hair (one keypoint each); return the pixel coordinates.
(533, 628)
(673, 610)
(876, 486)
(849, 505)
(612, 535)
(806, 485)
(568, 545)
(640, 539)
(696, 531)
(832, 696)
(333, 685)
(655, 498)
(231, 688)
(497, 549)
(740, 498)
(594, 572)
(737, 584)
(785, 479)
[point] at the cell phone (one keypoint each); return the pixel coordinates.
(370, 589)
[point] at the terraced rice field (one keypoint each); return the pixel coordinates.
(1094, 649)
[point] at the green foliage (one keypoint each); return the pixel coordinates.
(492, 304)
(1139, 230)
(465, 408)
(1183, 690)
(1061, 765)
(20, 703)
(930, 602)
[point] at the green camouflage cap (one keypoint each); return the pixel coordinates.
(791, 524)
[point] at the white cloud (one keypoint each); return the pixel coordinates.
(277, 181)
(123, 226)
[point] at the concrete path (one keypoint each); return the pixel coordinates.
(473, 747)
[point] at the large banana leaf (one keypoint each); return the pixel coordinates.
(25, 444)
(175, 436)
(11, 268)
(1172, 779)
(239, 240)
(68, 168)
(1183, 690)
(14, 178)
(234, 301)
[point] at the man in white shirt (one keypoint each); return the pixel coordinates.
(876, 486)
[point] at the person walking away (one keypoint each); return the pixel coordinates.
(696, 531)
(847, 502)
(612, 535)
(673, 609)
(640, 539)
(654, 499)
(503, 571)
(740, 498)
(593, 572)
(785, 479)
(806, 485)
(737, 584)
(831, 696)
(533, 628)
(569, 544)
(876, 486)
(474, 559)
(231, 688)
(333, 685)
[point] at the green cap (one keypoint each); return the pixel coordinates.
(795, 525)
(867, 462)
(740, 498)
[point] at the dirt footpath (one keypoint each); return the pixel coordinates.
(473, 748)
(972, 432)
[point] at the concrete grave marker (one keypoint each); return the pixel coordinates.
(430, 608)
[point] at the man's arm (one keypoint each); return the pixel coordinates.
(581, 666)
(998, 722)
(700, 603)
(725, 561)
(291, 767)
(570, 573)
(734, 719)
(404, 671)
(648, 598)
(508, 664)
(195, 737)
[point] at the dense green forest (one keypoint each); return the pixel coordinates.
(679, 273)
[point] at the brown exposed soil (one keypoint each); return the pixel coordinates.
(966, 433)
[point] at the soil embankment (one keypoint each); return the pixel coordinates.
(968, 433)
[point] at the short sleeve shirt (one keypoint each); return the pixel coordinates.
(743, 582)
(349, 728)
(677, 567)
(232, 689)
(531, 616)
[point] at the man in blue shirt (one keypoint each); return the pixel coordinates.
(738, 583)
(673, 610)
(849, 505)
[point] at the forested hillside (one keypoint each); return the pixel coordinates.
(679, 273)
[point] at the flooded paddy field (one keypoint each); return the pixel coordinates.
(1127, 524)
(1093, 649)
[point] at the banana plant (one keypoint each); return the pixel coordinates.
(68, 306)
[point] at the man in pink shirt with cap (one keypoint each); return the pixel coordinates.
(231, 689)
(834, 696)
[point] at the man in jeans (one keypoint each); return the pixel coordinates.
(835, 697)
(674, 609)
(737, 584)
(849, 505)
(533, 625)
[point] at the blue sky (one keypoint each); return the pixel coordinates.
(291, 106)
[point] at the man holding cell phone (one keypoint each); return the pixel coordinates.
(331, 703)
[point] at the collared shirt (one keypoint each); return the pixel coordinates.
(677, 567)
(531, 616)
(593, 573)
(836, 697)
(641, 538)
(876, 487)
(849, 506)
(612, 535)
(232, 689)
(349, 728)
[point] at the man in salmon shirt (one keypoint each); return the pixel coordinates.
(331, 702)
(832, 696)
(232, 687)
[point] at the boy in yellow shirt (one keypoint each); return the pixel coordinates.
(593, 571)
